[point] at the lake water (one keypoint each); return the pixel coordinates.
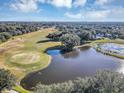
(69, 66)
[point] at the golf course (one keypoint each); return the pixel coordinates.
(24, 54)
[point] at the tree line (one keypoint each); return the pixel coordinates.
(9, 30)
(86, 31)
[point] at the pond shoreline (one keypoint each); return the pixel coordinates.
(98, 48)
(109, 53)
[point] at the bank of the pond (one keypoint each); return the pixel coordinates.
(19, 54)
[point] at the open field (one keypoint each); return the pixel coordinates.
(23, 54)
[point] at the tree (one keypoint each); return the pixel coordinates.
(55, 36)
(103, 82)
(7, 80)
(85, 35)
(6, 35)
(70, 40)
(65, 87)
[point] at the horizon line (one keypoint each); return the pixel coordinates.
(69, 21)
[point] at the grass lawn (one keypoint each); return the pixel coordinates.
(106, 40)
(23, 54)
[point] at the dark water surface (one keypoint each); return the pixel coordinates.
(78, 63)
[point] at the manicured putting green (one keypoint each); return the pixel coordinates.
(25, 58)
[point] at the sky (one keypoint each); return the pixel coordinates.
(62, 10)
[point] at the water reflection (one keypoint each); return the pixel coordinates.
(84, 48)
(71, 54)
(121, 69)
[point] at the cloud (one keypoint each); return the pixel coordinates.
(89, 15)
(32, 5)
(25, 5)
(100, 10)
(117, 13)
(101, 2)
(67, 3)
(58, 3)
(113, 14)
(61, 3)
(74, 16)
(98, 14)
(42, 1)
(79, 3)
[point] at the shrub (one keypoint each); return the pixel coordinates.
(4, 36)
(7, 80)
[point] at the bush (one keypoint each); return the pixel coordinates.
(121, 36)
(7, 80)
(4, 36)
(102, 82)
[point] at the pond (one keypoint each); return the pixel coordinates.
(80, 62)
